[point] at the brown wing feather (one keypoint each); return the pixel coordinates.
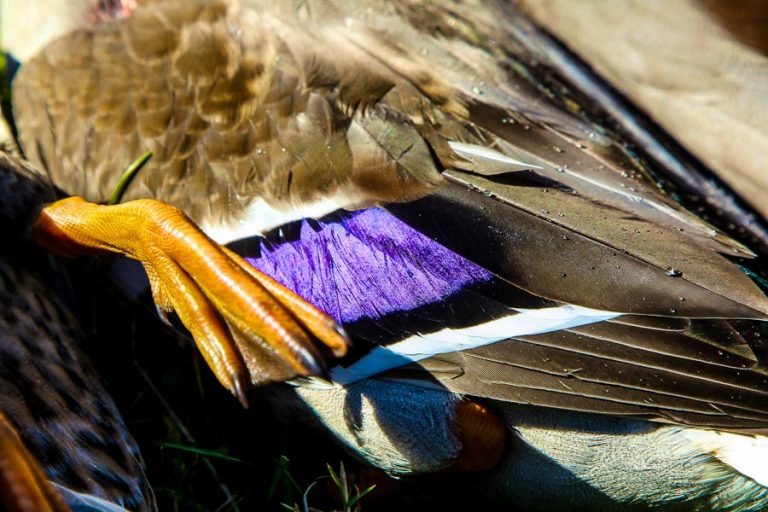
(630, 374)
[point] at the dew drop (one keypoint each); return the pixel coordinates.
(673, 272)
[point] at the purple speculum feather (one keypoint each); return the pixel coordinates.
(366, 264)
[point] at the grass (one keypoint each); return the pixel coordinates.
(127, 177)
(349, 502)
(350, 499)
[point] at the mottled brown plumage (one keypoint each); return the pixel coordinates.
(226, 113)
(48, 389)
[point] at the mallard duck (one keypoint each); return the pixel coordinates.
(63, 444)
(522, 296)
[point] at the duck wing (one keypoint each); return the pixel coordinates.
(490, 175)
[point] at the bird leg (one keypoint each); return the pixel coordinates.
(23, 484)
(222, 300)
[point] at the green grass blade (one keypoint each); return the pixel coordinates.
(282, 471)
(202, 452)
(358, 497)
(128, 176)
(344, 484)
(305, 497)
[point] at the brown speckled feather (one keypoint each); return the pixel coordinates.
(231, 111)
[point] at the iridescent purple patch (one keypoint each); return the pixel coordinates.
(367, 264)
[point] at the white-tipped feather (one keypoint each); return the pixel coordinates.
(259, 217)
(415, 348)
(477, 154)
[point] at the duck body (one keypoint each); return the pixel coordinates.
(556, 460)
(476, 225)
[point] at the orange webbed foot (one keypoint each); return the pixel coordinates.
(247, 326)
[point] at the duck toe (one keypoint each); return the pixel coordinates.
(249, 328)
